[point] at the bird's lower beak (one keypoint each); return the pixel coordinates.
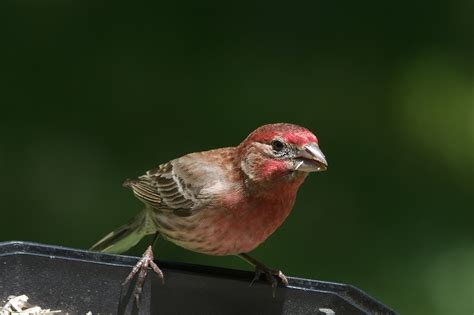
(310, 159)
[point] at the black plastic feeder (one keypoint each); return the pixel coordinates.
(77, 281)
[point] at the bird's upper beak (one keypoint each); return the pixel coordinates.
(310, 159)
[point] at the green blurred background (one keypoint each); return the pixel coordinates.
(93, 93)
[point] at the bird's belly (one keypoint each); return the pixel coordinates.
(225, 232)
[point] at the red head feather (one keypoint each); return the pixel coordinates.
(289, 133)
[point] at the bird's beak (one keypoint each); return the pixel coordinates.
(310, 159)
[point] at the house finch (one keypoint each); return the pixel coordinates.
(221, 202)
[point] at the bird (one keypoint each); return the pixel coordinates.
(224, 201)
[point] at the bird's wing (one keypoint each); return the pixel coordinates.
(182, 185)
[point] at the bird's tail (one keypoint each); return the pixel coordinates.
(126, 236)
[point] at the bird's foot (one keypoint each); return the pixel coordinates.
(142, 269)
(271, 275)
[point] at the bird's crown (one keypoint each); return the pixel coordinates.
(289, 133)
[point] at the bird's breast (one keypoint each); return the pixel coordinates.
(244, 229)
(237, 226)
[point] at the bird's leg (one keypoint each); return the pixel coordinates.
(142, 269)
(270, 274)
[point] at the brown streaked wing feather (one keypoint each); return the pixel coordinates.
(144, 190)
(162, 189)
(189, 183)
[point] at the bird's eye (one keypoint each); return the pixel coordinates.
(277, 145)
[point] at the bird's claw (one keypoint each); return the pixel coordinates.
(142, 269)
(271, 275)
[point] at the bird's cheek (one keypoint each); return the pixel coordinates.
(273, 168)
